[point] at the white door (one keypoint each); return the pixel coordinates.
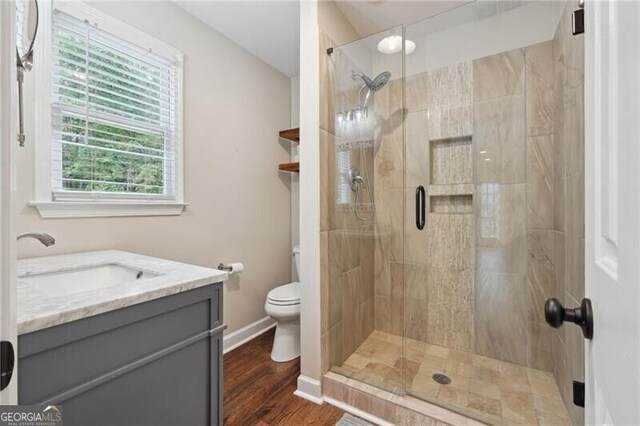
(612, 117)
(7, 144)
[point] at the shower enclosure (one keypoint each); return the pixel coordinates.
(453, 210)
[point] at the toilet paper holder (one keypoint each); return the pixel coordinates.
(231, 268)
(226, 268)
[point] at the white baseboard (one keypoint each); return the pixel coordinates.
(239, 337)
(357, 412)
(309, 389)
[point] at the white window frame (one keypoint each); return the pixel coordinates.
(106, 206)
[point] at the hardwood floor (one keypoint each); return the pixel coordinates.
(258, 391)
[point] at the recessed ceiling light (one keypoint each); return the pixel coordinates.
(409, 47)
(393, 44)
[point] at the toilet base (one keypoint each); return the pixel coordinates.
(286, 343)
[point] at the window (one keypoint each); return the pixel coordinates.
(489, 210)
(114, 118)
(343, 180)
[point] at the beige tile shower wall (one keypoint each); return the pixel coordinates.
(483, 278)
(450, 236)
(347, 245)
(513, 129)
(450, 281)
(388, 172)
(500, 108)
(488, 103)
(540, 189)
(568, 240)
(435, 269)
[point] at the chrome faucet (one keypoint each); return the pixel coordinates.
(46, 239)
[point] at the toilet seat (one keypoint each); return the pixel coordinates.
(285, 295)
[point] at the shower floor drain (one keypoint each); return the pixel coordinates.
(442, 379)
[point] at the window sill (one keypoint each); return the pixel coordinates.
(65, 210)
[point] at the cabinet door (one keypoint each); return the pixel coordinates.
(172, 390)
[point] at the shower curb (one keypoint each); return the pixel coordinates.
(387, 406)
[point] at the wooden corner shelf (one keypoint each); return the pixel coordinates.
(289, 167)
(291, 134)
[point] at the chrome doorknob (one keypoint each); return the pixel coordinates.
(555, 314)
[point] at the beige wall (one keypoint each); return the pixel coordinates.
(239, 206)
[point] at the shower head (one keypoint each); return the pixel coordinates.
(357, 75)
(374, 85)
(380, 81)
(377, 83)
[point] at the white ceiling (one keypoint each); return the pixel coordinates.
(268, 29)
(372, 16)
(271, 29)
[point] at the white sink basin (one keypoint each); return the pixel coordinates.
(73, 281)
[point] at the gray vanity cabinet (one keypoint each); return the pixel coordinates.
(154, 363)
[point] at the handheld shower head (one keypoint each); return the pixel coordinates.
(357, 182)
(380, 81)
(374, 85)
(357, 75)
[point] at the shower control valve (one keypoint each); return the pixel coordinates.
(355, 180)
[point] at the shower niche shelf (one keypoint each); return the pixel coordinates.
(451, 160)
(451, 176)
(451, 204)
(451, 189)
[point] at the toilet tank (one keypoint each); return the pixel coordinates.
(296, 258)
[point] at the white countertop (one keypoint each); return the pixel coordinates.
(37, 310)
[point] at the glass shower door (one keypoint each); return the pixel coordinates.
(366, 290)
(480, 138)
(455, 212)
(440, 242)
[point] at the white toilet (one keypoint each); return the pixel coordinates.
(283, 305)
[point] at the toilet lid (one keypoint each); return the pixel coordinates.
(288, 294)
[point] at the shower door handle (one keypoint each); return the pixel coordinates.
(555, 314)
(421, 206)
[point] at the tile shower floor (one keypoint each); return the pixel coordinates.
(490, 390)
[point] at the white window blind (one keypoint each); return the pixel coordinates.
(114, 115)
(343, 181)
(489, 210)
